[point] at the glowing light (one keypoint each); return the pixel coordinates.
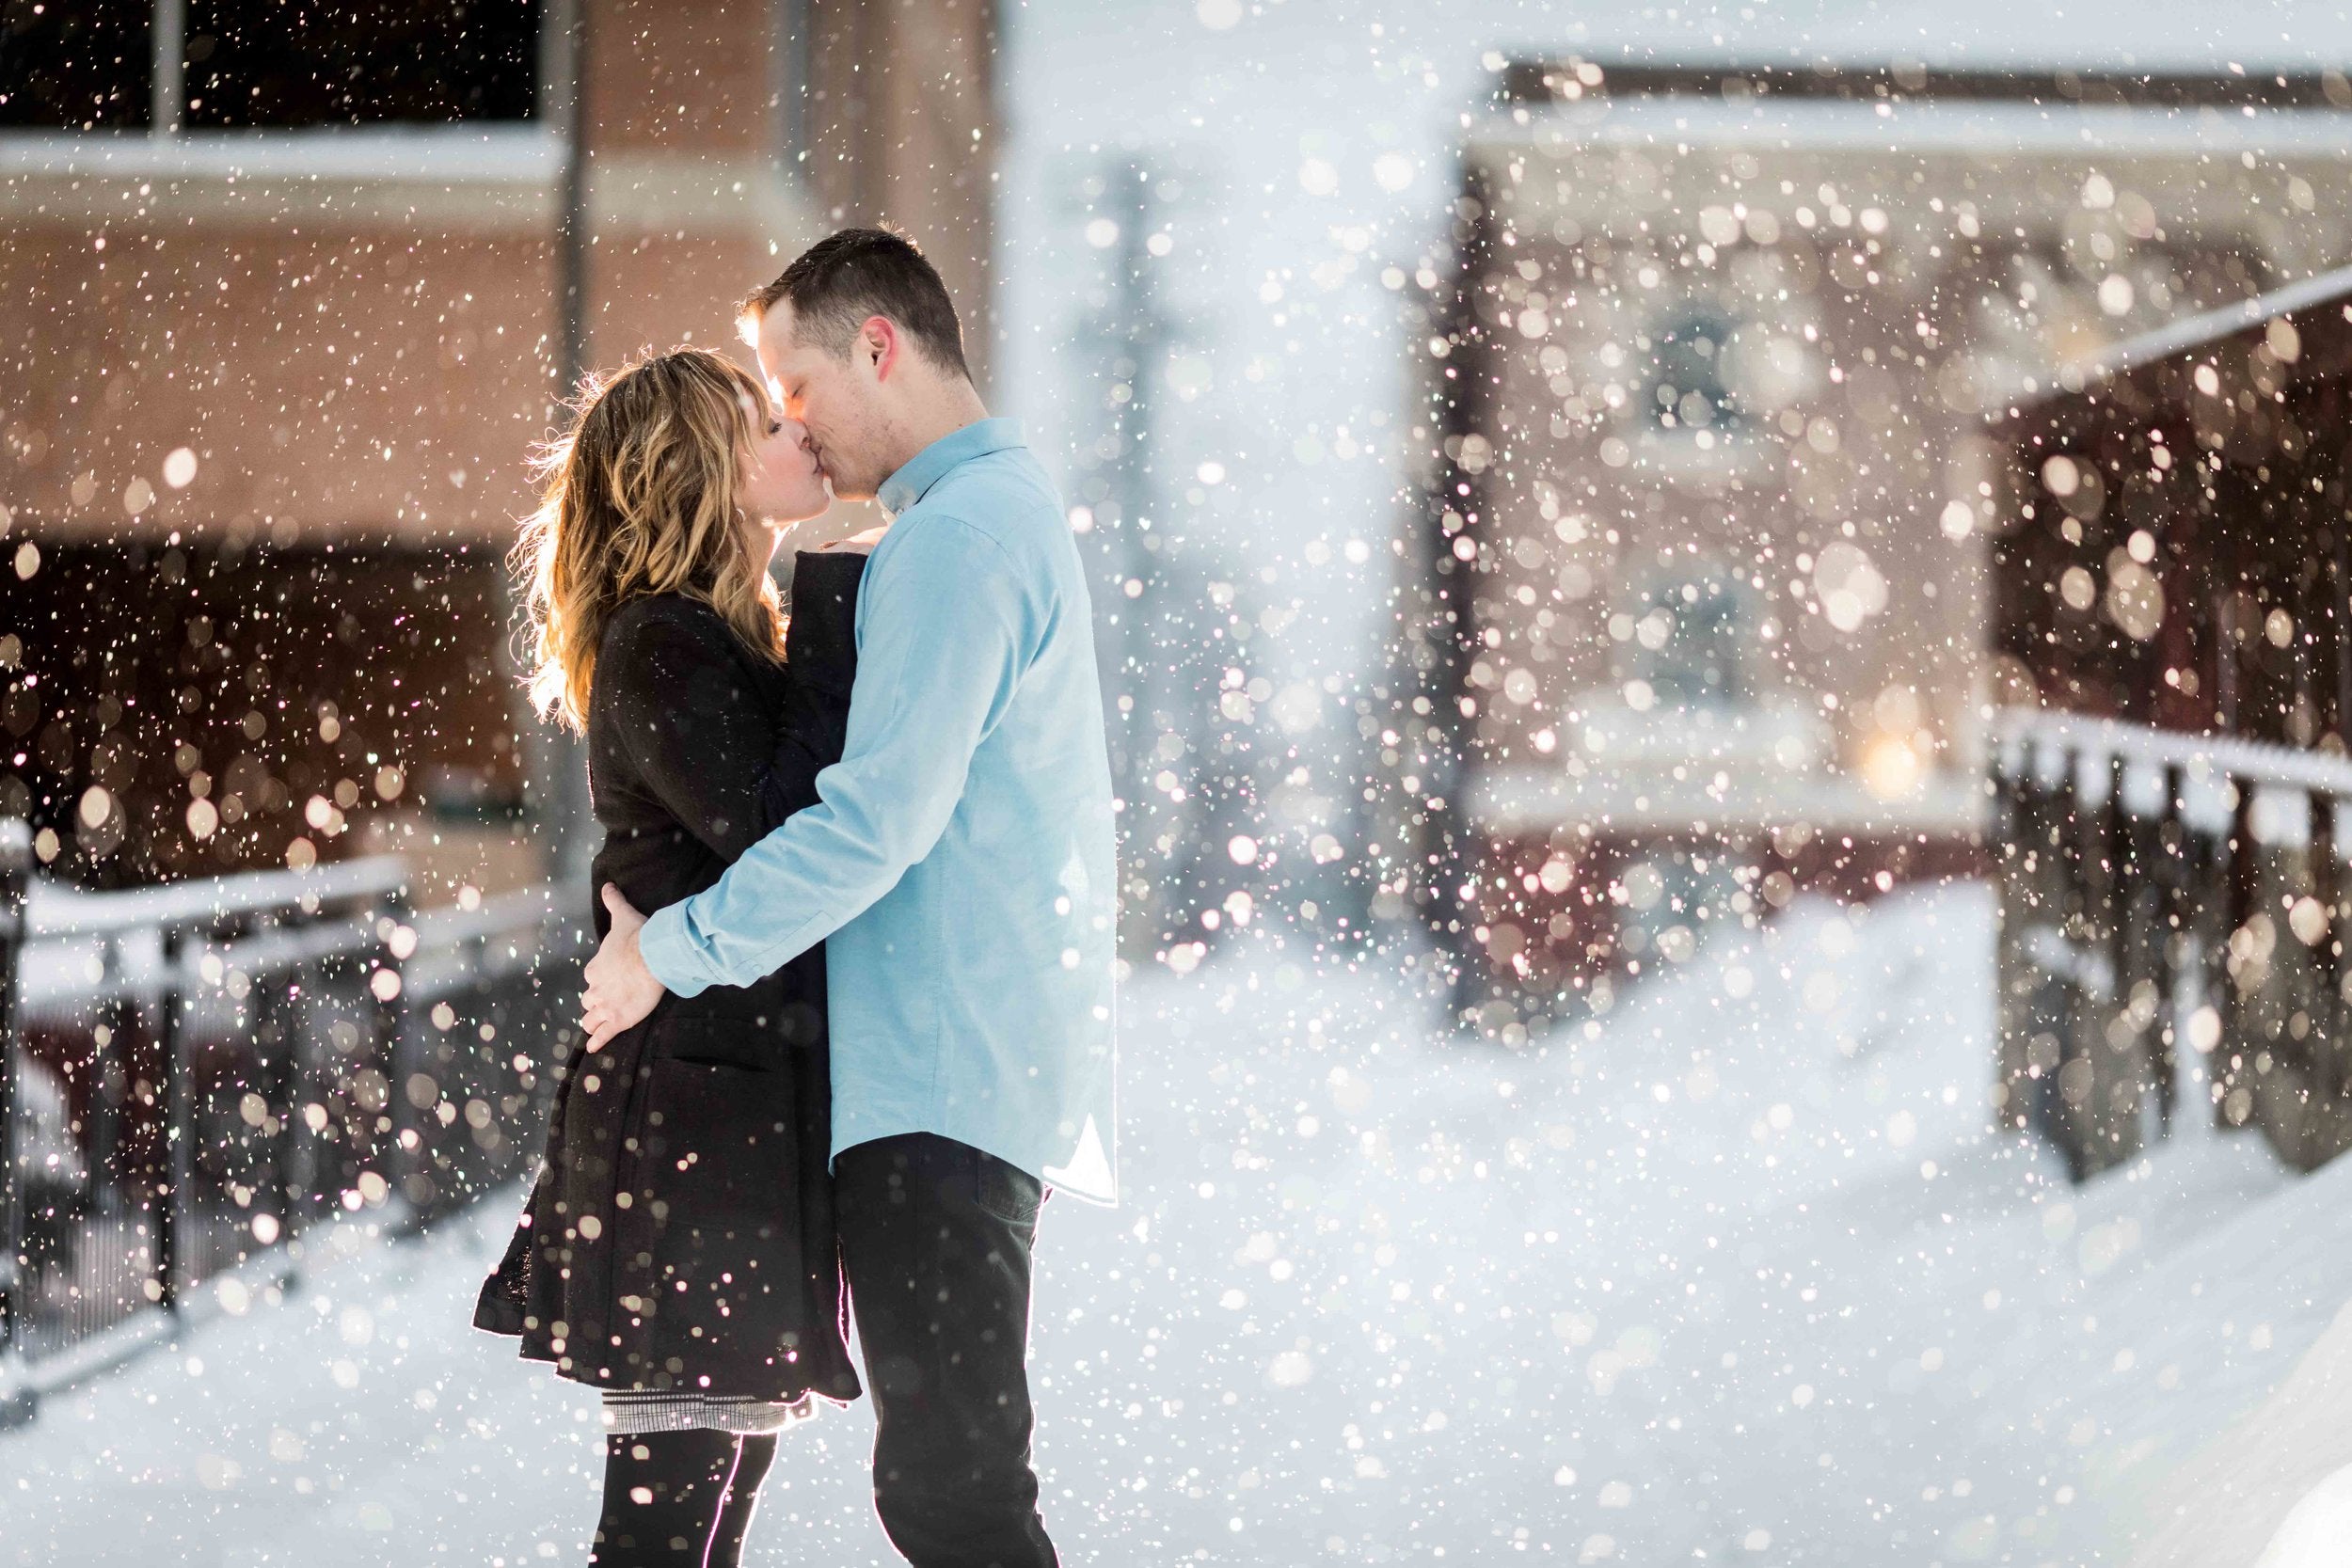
(1890, 766)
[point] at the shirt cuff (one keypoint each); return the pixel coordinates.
(670, 953)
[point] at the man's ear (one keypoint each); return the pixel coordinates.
(878, 341)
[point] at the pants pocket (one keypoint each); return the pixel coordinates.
(1005, 1190)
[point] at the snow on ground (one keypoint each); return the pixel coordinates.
(1739, 1279)
(2283, 1474)
(1743, 1276)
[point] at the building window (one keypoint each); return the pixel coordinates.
(1690, 643)
(1689, 390)
(84, 65)
(337, 62)
(107, 65)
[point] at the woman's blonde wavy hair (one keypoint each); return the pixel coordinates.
(639, 497)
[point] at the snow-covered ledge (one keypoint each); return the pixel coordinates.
(1741, 769)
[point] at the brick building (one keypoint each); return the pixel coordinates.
(1703, 561)
(288, 297)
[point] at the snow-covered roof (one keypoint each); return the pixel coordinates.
(2142, 35)
(2191, 334)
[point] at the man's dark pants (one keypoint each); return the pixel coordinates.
(935, 1239)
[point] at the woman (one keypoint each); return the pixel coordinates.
(677, 1251)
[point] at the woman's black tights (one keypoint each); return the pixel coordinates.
(679, 1499)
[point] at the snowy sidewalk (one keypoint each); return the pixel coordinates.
(361, 1421)
(1740, 1278)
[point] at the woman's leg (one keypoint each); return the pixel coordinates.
(753, 1455)
(663, 1493)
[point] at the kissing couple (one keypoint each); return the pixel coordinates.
(850, 1017)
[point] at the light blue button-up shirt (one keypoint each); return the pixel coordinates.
(959, 864)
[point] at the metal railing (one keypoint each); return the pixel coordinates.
(193, 1076)
(2171, 937)
(2170, 571)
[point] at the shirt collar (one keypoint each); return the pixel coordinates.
(927, 468)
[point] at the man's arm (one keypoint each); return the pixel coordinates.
(950, 624)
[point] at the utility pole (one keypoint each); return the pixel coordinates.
(555, 783)
(1124, 346)
(572, 211)
(1186, 754)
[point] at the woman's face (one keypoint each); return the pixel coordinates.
(780, 485)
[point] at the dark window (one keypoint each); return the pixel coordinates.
(357, 62)
(1689, 390)
(1701, 658)
(76, 65)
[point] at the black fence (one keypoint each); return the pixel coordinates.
(196, 1075)
(2173, 642)
(2170, 938)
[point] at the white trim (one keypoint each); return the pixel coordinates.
(450, 178)
(1975, 128)
(520, 153)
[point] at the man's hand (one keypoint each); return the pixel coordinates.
(621, 990)
(855, 543)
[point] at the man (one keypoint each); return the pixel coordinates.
(957, 868)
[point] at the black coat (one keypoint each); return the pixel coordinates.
(681, 1234)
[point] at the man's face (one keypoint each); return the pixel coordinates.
(837, 396)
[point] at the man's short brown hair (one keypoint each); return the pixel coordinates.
(844, 278)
